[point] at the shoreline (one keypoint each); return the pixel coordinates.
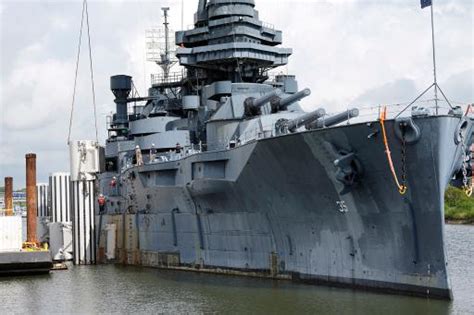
(459, 222)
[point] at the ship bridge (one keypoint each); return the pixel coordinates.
(229, 42)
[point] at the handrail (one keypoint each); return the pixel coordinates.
(173, 77)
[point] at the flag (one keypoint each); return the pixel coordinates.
(426, 3)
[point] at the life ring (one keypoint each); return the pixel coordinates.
(406, 128)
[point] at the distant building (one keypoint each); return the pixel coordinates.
(19, 196)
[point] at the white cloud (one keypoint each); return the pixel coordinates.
(342, 50)
(39, 99)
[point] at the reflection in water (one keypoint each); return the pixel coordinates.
(112, 289)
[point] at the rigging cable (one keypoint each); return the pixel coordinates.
(76, 73)
(91, 67)
(85, 14)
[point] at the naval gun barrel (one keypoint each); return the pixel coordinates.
(283, 103)
(333, 120)
(252, 105)
(305, 119)
(259, 102)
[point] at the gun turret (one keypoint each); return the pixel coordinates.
(283, 103)
(333, 120)
(253, 105)
(284, 125)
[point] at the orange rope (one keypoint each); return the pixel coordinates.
(402, 189)
(469, 110)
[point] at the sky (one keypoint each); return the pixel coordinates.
(348, 52)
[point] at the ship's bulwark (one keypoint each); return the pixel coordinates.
(274, 208)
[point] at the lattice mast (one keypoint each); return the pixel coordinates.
(159, 45)
(166, 62)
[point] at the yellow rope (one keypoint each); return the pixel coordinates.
(469, 190)
(402, 189)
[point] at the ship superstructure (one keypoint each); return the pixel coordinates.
(221, 170)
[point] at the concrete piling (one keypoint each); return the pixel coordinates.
(8, 196)
(31, 206)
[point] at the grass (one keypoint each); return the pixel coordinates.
(458, 207)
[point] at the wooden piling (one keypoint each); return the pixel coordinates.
(8, 196)
(31, 206)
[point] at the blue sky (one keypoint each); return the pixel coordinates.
(352, 52)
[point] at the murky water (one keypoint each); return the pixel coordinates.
(112, 289)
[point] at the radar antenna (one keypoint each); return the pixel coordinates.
(159, 45)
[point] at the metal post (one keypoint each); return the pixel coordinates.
(31, 206)
(166, 67)
(182, 15)
(434, 58)
(8, 196)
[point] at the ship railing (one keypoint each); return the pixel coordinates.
(173, 155)
(420, 108)
(163, 157)
(272, 75)
(366, 114)
(268, 25)
(263, 132)
(173, 77)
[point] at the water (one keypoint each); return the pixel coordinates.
(114, 289)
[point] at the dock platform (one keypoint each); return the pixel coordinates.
(22, 263)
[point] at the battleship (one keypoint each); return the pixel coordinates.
(219, 170)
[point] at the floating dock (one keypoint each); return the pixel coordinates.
(16, 257)
(22, 263)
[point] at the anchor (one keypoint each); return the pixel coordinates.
(348, 170)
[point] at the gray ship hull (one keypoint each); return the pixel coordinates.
(274, 208)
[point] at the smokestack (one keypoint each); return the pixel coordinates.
(31, 206)
(121, 86)
(8, 196)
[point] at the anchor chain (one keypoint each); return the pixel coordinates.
(402, 188)
(468, 188)
(404, 163)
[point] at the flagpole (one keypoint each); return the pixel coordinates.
(434, 57)
(182, 15)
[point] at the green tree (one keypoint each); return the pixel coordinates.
(458, 206)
